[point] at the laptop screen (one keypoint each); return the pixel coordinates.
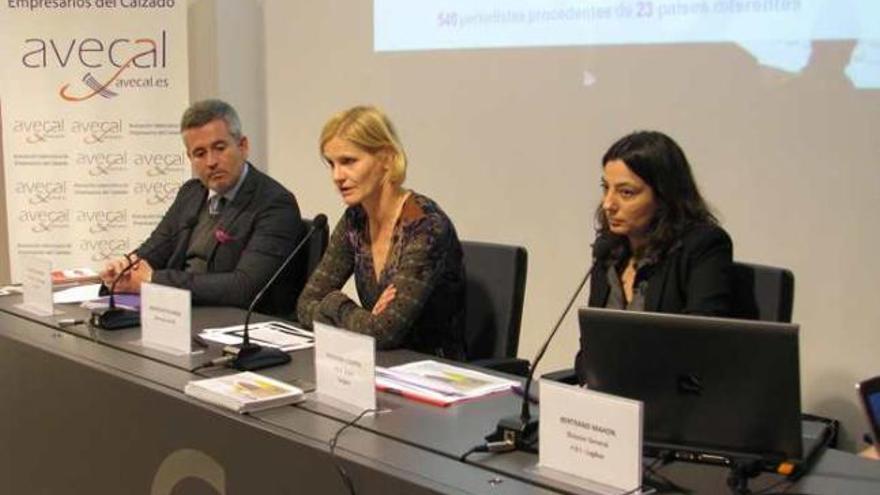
(708, 384)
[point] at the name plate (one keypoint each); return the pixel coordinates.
(166, 318)
(37, 286)
(345, 368)
(591, 435)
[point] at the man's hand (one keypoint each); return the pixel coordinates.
(114, 267)
(131, 282)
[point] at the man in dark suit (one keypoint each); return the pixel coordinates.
(228, 230)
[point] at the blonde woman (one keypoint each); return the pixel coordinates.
(401, 247)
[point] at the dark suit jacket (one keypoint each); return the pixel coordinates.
(693, 278)
(261, 225)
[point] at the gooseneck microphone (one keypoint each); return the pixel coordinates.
(250, 356)
(113, 318)
(521, 432)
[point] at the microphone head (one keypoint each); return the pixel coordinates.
(602, 246)
(319, 221)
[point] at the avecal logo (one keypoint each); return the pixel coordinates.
(45, 220)
(104, 249)
(39, 131)
(97, 131)
(41, 192)
(94, 54)
(157, 192)
(101, 221)
(100, 164)
(158, 164)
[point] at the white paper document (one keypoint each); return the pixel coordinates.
(8, 290)
(77, 294)
(277, 334)
(438, 383)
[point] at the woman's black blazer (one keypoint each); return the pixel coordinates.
(694, 277)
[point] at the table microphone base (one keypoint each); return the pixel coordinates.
(522, 434)
(115, 318)
(255, 357)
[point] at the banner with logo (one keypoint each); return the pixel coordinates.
(91, 94)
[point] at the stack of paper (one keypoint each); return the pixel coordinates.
(244, 392)
(438, 383)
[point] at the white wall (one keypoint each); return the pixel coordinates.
(226, 54)
(509, 142)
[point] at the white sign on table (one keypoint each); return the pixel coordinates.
(345, 368)
(166, 318)
(37, 286)
(591, 435)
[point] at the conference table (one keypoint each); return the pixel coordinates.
(91, 411)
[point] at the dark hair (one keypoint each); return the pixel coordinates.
(661, 163)
(202, 112)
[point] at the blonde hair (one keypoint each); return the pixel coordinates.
(370, 129)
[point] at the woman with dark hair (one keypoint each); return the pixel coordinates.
(668, 254)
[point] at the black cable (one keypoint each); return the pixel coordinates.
(652, 473)
(499, 447)
(201, 367)
(664, 483)
(657, 460)
(474, 449)
(332, 443)
(634, 490)
(220, 361)
(828, 437)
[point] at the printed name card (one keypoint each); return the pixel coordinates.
(591, 435)
(37, 286)
(166, 318)
(345, 368)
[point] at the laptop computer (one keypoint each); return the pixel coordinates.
(869, 393)
(714, 389)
